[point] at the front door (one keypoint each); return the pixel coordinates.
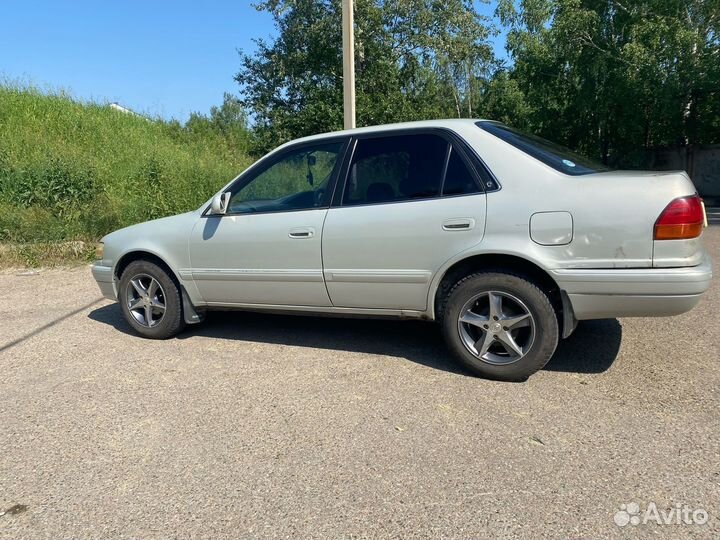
(411, 202)
(267, 248)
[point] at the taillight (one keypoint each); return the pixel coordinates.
(683, 218)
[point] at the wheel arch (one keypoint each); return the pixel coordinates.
(500, 262)
(144, 255)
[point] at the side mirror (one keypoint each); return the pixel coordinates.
(220, 203)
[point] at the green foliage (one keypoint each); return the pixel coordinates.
(606, 77)
(228, 121)
(415, 59)
(54, 185)
(613, 78)
(76, 171)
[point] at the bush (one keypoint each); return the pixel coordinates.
(55, 186)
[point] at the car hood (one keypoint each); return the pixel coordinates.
(166, 238)
(178, 224)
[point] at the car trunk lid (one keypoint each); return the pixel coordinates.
(618, 230)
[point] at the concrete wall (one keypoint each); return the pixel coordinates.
(701, 162)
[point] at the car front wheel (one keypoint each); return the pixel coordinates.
(500, 325)
(150, 300)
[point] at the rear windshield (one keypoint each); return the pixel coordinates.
(555, 155)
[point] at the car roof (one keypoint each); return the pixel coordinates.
(447, 123)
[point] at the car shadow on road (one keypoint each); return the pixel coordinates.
(591, 349)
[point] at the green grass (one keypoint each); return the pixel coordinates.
(72, 171)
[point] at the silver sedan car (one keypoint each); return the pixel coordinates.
(505, 239)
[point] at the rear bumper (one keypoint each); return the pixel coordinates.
(596, 306)
(105, 279)
(631, 292)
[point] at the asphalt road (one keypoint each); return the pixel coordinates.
(287, 427)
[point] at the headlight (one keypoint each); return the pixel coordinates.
(99, 251)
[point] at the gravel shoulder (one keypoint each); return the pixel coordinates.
(283, 427)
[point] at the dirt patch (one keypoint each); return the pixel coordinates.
(45, 254)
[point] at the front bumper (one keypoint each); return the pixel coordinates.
(105, 279)
(634, 292)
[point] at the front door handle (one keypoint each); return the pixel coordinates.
(302, 232)
(458, 224)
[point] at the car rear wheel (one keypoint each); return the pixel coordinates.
(150, 300)
(499, 325)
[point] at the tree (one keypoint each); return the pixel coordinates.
(615, 77)
(228, 120)
(415, 59)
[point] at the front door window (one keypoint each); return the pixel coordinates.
(297, 180)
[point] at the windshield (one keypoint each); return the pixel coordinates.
(555, 155)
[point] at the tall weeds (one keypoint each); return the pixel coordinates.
(75, 171)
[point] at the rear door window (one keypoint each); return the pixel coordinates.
(458, 178)
(395, 169)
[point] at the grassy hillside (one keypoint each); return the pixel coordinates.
(74, 171)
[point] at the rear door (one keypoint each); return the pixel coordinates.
(410, 201)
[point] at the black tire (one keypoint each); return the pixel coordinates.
(541, 335)
(171, 321)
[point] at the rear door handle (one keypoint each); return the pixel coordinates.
(302, 232)
(458, 224)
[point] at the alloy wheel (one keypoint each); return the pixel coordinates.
(496, 327)
(145, 299)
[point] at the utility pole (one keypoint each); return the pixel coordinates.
(348, 43)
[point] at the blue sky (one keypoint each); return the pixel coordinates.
(156, 57)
